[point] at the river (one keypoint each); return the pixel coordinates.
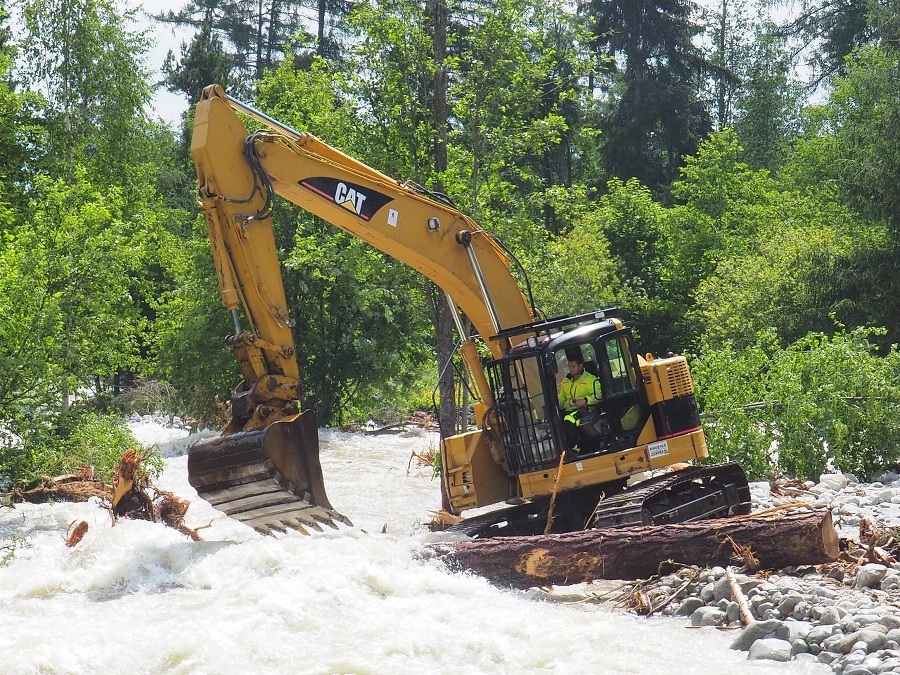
(141, 598)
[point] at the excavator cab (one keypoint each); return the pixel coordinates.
(525, 383)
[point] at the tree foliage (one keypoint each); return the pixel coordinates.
(819, 404)
(655, 69)
(828, 33)
(366, 319)
(866, 116)
(238, 42)
(82, 57)
(203, 62)
(767, 105)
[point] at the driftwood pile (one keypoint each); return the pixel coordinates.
(131, 496)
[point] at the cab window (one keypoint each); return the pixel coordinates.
(621, 366)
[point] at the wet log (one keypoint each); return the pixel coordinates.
(769, 542)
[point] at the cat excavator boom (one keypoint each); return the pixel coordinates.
(264, 468)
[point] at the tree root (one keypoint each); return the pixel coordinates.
(131, 496)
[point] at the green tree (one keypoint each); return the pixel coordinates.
(5, 33)
(848, 153)
(656, 69)
(719, 197)
(357, 308)
(819, 404)
(768, 103)
(864, 110)
(829, 32)
(396, 100)
(80, 54)
(517, 109)
(782, 278)
(244, 40)
(575, 272)
(187, 346)
(202, 62)
(69, 313)
(69, 291)
(729, 25)
(21, 143)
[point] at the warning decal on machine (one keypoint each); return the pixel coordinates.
(658, 449)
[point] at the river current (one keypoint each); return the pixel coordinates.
(142, 598)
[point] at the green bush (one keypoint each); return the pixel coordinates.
(58, 445)
(820, 404)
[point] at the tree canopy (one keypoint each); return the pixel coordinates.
(642, 155)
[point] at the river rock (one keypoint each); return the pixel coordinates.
(872, 639)
(793, 630)
(787, 604)
(722, 589)
(870, 575)
(709, 616)
(830, 616)
(770, 649)
(689, 606)
(757, 630)
(834, 481)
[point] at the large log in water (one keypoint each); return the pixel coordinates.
(643, 551)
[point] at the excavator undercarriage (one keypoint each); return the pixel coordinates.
(694, 493)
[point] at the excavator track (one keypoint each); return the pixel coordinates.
(695, 493)
(512, 521)
(683, 496)
(570, 513)
(268, 479)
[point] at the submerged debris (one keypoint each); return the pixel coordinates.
(74, 487)
(76, 533)
(131, 498)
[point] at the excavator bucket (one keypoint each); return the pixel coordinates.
(270, 479)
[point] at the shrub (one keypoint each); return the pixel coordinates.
(822, 403)
(58, 445)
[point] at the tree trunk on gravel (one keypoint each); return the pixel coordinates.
(640, 552)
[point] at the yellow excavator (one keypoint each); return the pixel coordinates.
(264, 468)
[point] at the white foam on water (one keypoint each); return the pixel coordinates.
(142, 598)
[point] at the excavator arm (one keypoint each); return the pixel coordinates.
(264, 468)
(400, 220)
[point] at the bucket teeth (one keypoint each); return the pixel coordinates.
(326, 521)
(309, 521)
(301, 522)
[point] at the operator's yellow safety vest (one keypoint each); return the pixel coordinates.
(570, 390)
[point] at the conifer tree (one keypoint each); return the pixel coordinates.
(655, 114)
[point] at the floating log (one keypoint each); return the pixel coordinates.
(640, 552)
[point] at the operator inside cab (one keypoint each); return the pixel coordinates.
(577, 393)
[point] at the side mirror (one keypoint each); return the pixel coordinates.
(598, 390)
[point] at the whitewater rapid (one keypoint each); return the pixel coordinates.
(142, 598)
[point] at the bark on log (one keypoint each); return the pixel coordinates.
(644, 551)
